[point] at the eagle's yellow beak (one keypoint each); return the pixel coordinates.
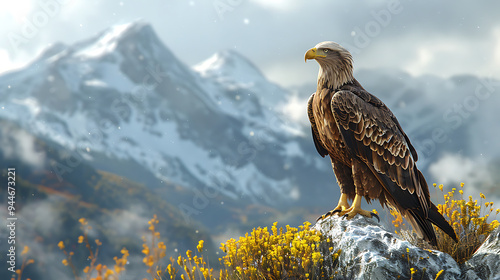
(312, 54)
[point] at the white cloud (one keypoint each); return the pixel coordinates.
(295, 110)
(18, 10)
(19, 144)
(279, 5)
(42, 217)
(5, 63)
(496, 35)
(454, 168)
(127, 221)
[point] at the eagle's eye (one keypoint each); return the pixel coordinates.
(325, 50)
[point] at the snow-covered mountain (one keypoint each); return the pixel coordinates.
(123, 102)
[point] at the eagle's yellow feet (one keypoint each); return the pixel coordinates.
(356, 209)
(351, 212)
(341, 208)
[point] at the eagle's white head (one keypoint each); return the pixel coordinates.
(335, 64)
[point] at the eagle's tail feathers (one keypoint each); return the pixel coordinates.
(436, 218)
(422, 226)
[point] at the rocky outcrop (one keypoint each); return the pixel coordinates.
(368, 251)
(485, 263)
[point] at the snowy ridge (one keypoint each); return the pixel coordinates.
(230, 67)
(237, 74)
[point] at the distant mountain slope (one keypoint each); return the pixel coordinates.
(47, 209)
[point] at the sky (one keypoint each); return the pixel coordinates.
(442, 38)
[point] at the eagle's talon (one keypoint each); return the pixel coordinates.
(339, 210)
(375, 215)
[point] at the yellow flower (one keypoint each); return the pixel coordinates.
(124, 252)
(148, 261)
(189, 254)
(200, 246)
(316, 256)
(60, 245)
(145, 251)
(65, 262)
(83, 221)
(108, 273)
(494, 224)
(25, 250)
(80, 239)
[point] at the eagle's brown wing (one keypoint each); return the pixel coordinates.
(369, 130)
(317, 143)
(373, 135)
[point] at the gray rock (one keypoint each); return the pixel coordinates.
(485, 263)
(371, 252)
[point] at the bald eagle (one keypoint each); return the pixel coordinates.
(371, 155)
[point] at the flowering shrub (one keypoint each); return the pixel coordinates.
(291, 253)
(278, 254)
(190, 267)
(469, 219)
(102, 272)
(24, 264)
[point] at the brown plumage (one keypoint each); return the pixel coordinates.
(371, 155)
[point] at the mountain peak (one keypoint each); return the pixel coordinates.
(111, 38)
(230, 65)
